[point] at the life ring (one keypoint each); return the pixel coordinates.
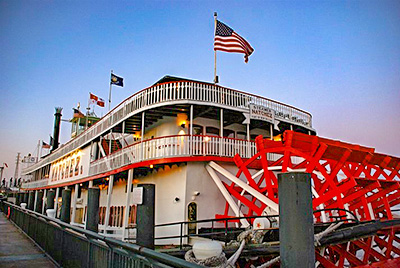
(8, 213)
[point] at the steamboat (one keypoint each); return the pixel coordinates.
(214, 155)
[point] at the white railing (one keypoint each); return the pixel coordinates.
(190, 92)
(173, 146)
(35, 184)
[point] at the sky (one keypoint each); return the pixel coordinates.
(338, 60)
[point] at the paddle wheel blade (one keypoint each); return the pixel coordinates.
(349, 183)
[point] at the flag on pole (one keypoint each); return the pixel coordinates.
(227, 40)
(77, 113)
(101, 102)
(5, 164)
(96, 100)
(93, 98)
(45, 145)
(116, 80)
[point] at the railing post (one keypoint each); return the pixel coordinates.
(18, 199)
(50, 199)
(296, 227)
(31, 200)
(39, 201)
(181, 236)
(66, 206)
(25, 199)
(92, 222)
(145, 217)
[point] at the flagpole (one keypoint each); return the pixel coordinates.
(39, 148)
(215, 52)
(87, 112)
(109, 95)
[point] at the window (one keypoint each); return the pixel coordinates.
(212, 131)
(197, 130)
(241, 135)
(192, 216)
(229, 133)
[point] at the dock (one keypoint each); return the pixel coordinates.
(17, 250)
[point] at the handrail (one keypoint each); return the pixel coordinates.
(158, 256)
(173, 146)
(186, 91)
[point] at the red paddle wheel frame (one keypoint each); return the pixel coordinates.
(344, 176)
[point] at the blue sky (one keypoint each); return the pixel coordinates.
(339, 60)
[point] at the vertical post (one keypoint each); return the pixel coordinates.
(141, 138)
(55, 205)
(39, 201)
(31, 200)
(74, 200)
(271, 131)
(44, 201)
(127, 203)
(17, 169)
(39, 150)
(248, 147)
(191, 131)
(87, 113)
(109, 95)
(17, 199)
(66, 206)
(92, 222)
(215, 52)
(1, 175)
(50, 199)
(145, 217)
(296, 227)
(110, 142)
(221, 130)
(25, 198)
(35, 199)
(110, 189)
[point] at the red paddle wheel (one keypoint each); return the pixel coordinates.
(345, 177)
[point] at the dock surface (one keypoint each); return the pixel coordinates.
(17, 250)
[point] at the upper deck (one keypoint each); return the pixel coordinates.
(167, 93)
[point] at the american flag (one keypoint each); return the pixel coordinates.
(227, 40)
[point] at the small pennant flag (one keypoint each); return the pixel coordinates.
(116, 80)
(5, 164)
(45, 145)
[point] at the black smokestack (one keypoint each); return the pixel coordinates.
(56, 132)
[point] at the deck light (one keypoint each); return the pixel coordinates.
(151, 166)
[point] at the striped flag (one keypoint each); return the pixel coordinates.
(227, 40)
(96, 100)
